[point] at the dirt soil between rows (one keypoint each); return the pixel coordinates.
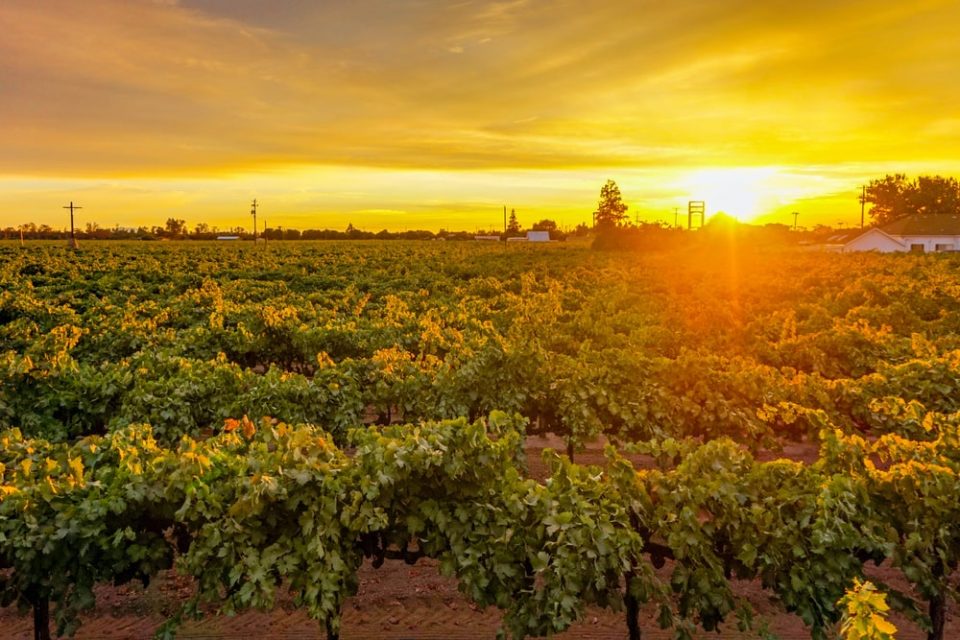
(399, 601)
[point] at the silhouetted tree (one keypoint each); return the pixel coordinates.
(611, 210)
(545, 225)
(174, 227)
(894, 196)
(513, 226)
(935, 195)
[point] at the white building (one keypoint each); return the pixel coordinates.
(538, 236)
(917, 233)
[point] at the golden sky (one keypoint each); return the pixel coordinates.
(426, 113)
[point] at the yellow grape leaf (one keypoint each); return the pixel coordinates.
(882, 625)
(202, 460)
(76, 467)
(249, 429)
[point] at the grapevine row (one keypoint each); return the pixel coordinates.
(259, 507)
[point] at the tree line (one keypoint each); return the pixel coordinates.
(176, 229)
(895, 196)
(891, 198)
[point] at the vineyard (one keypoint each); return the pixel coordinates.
(266, 420)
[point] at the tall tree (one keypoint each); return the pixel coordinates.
(611, 210)
(175, 228)
(513, 226)
(887, 197)
(935, 194)
(894, 196)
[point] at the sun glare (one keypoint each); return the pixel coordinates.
(737, 192)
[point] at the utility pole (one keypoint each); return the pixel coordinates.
(253, 212)
(863, 203)
(73, 235)
(795, 214)
(676, 214)
(504, 221)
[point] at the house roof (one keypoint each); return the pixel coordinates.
(844, 236)
(924, 225)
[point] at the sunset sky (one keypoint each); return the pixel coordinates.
(425, 114)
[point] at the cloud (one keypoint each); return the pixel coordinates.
(213, 87)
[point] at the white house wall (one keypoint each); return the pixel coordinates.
(930, 242)
(874, 241)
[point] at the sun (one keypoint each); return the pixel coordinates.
(739, 192)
